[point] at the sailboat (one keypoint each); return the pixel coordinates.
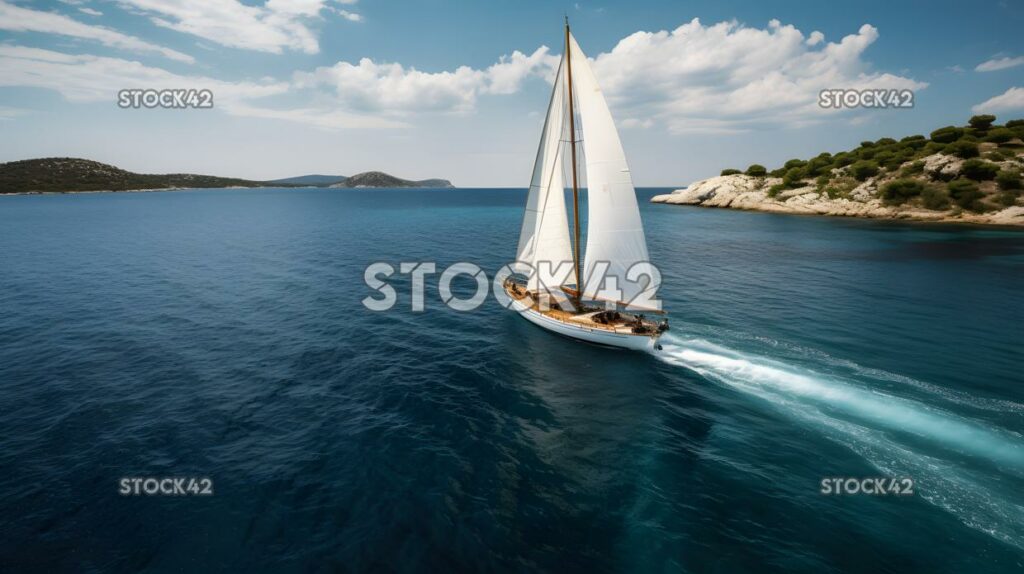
(609, 300)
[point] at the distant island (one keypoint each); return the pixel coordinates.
(71, 175)
(967, 174)
(381, 179)
(309, 180)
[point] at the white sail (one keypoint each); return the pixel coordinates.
(544, 238)
(615, 234)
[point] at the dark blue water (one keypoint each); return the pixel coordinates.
(221, 334)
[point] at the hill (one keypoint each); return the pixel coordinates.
(966, 173)
(63, 174)
(67, 175)
(381, 179)
(315, 180)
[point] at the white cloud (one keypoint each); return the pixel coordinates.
(18, 19)
(999, 64)
(90, 11)
(1011, 99)
(391, 88)
(8, 113)
(86, 78)
(350, 16)
(815, 38)
(271, 27)
(727, 77)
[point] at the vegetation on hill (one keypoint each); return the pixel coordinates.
(380, 179)
(976, 167)
(58, 174)
(65, 174)
(315, 180)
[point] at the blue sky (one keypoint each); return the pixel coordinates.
(456, 89)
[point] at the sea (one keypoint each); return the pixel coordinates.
(220, 337)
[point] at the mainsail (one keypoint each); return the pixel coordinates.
(544, 239)
(615, 234)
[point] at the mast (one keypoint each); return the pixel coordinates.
(575, 187)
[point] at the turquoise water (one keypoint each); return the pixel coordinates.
(220, 333)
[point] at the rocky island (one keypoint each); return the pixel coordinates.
(381, 179)
(968, 174)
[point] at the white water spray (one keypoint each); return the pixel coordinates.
(889, 431)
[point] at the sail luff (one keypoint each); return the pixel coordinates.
(544, 237)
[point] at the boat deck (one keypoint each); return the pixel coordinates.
(622, 323)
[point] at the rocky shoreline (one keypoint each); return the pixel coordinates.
(754, 193)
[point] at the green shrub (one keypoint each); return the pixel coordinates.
(793, 177)
(933, 147)
(1014, 123)
(775, 189)
(1008, 198)
(867, 144)
(912, 169)
(982, 122)
(948, 134)
(914, 142)
(866, 152)
(730, 171)
(999, 135)
(777, 172)
(843, 159)
(1008, 180)
(863, 170)
(819, 165)
(962, 149)
(965, 193)
(757, 170)
(935, 198)
(979, 169)
(822, 180)
(899, 191)
(885, 141)
(794, 163)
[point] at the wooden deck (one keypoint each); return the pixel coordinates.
(624, 325)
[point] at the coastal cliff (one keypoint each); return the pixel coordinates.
(967, 175)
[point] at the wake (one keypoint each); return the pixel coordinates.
(897, 435)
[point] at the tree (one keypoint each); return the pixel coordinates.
(981, 122)
(934, 197)
(965, 193)
(999, 135)
(948, 134)
(862, 170)
(757, 170)
(979, 169)
(1008, 180)
(730, 171)
(963, 149)
(793, 177)
(899, 191)
(1014, 123)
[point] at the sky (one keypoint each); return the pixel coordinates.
(457, 88)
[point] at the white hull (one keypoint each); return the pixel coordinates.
(583, 333)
